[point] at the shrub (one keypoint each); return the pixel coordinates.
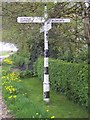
(20, 61)
(67, 78)
(25, 74)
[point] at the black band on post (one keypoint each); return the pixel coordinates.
(46, 70)
(46, 53)
(47, 94)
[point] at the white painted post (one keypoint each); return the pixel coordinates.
(46, 83)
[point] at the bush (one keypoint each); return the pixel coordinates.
(67, 78)
(25, 74)
(20, 61)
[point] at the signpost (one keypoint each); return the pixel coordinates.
(45, 28)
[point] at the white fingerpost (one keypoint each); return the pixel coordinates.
(46, 83)
(45, 28)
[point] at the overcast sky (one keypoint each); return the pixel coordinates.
(7, 47)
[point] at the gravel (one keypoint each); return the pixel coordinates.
(4, 112)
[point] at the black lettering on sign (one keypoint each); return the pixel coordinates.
(46, 53)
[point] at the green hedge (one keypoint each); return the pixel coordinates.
(70, 79)
(19, 60)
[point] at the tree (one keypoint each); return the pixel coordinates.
(65, 40)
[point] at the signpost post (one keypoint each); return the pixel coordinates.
(45, 28)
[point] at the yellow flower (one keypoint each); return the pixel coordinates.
(3, 77)
(10, 91)
(47, 110)
(52, 117)
(7, 61)
(14, 96)
(36, 113)
(13, 89)
(10, 97)
(6, 88)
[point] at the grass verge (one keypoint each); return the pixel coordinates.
(29, 102)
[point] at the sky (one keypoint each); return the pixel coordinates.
(7, 47)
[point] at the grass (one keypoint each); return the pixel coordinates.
(29, 102)
(59, 106)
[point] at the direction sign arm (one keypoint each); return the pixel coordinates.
(60, 20)
(30, 20)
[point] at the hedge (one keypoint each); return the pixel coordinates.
(66, 78)
(19, 61)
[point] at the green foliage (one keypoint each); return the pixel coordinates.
(67, 78)
(19, 61)
(38, 68)
(26, 74)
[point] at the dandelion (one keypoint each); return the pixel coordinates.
(10, 91)
(36, 113)
(7, 88)
(7, 61)
(13, 89)
(33, 117)
(14, 96)
(10, 97)
(3, 77)
(52, 117)
(47, 110)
